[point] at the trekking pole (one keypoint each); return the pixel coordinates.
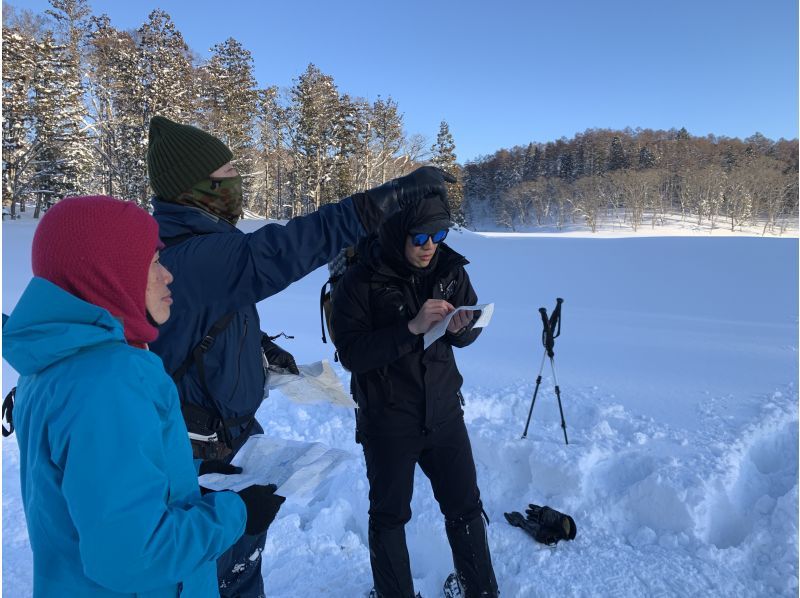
(551, 330)
(535, 391)
(558, 396)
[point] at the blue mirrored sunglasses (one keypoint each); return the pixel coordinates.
(419, 239)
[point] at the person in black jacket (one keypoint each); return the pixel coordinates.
(409, 400)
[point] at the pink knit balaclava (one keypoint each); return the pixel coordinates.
(99, 249)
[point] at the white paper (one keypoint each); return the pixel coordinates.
(297, 468)
(317, 383)
(439, 329)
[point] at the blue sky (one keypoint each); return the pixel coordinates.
(506, 73)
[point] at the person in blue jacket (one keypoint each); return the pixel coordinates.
(109, 486)
(213, 343)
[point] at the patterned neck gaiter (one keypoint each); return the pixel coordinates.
(221, 197)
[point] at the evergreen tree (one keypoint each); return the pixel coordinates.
(315, 114)
(63, 88)
(646, 158)
(444, 156)
(272, 163)
(531, 163)
(360, 134)
(166, 70)
(566, 167)
(351, 127)
(65, 162)
(387, 132)
(230, 105)
(118, 111)
(20, 148)
(617, 158)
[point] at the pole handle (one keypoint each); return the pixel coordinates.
(547, 332)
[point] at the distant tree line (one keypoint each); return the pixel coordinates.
(635, 178)
(78, 95)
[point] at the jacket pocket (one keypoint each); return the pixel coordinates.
(388, 306)
(386, 384)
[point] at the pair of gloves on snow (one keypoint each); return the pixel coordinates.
(544, 524)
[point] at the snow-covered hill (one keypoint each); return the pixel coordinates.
(678, 368)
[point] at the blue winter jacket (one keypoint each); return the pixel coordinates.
(219, 269)
(108, 483)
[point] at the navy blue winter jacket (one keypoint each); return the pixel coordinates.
(220, 270)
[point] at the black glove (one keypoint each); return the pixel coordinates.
(563, 524)
(277, 356)
(544, 524)
(379, 203)
(262, 505)
(217, 466)
(540, 533)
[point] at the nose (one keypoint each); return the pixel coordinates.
(429, 243)
(167, 276)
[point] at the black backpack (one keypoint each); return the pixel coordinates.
(336, 269)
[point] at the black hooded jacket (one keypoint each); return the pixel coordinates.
(401, 389)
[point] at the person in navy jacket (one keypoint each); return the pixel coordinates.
(223, 274)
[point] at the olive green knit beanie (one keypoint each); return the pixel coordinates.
(179, 156)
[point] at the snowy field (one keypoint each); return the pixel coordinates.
(678, 368)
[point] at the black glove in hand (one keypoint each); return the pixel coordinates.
(262, 506)
(217, 466)
(381, 202)
(278, 357)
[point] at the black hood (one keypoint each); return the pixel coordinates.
(429, 215)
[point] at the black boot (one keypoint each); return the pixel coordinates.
(388, 556)
(471, 558)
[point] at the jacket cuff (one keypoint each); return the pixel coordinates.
(368, 212)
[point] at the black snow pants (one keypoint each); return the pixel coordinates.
(445, 457)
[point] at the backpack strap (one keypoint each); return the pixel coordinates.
(324, 297)
(207, 421)
(204, 346)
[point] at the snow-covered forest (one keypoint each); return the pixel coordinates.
(78, 94)
(637, 178)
